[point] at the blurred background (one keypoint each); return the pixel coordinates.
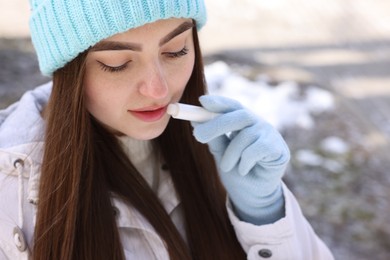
(319, 70)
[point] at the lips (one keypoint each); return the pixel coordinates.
(149, 115)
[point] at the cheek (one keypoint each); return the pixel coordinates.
(97, 97)
(180, 77)
(99, 91)
(92, 94)
(92, 98)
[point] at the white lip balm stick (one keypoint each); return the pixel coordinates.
(190, 112)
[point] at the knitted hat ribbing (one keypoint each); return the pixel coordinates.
(61, 29)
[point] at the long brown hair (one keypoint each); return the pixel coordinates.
(83, 164)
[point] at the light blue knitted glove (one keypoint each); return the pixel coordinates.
(251, 155)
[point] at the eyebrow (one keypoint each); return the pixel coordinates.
(179, 30)
(117, 46)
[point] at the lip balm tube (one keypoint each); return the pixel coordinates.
(190, 112)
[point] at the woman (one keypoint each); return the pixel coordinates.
(92, 166)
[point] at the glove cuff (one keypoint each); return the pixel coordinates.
(268, 209)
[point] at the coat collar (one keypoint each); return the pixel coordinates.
(21, 122)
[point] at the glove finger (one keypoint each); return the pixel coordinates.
(223, 124)
(219, 104)
(269, 150)
(239, 142)
(218, 145)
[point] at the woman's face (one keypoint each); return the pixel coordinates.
(131, 77)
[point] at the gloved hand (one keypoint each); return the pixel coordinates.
(251, 155)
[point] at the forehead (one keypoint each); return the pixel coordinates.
(156, 29)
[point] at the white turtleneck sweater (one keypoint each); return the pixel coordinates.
(144, 159)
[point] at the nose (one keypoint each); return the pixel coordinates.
(153, 83)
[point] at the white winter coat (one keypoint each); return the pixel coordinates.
(21, 135)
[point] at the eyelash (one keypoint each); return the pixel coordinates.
(178, 54)
(172, 55)
(113, 69)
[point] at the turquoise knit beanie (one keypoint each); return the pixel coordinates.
(61, 29)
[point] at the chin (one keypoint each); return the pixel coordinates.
(148, 134)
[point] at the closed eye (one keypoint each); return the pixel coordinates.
(177, 54)
(113, 69)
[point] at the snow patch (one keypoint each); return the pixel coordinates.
(334, 145)
(282, 106)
